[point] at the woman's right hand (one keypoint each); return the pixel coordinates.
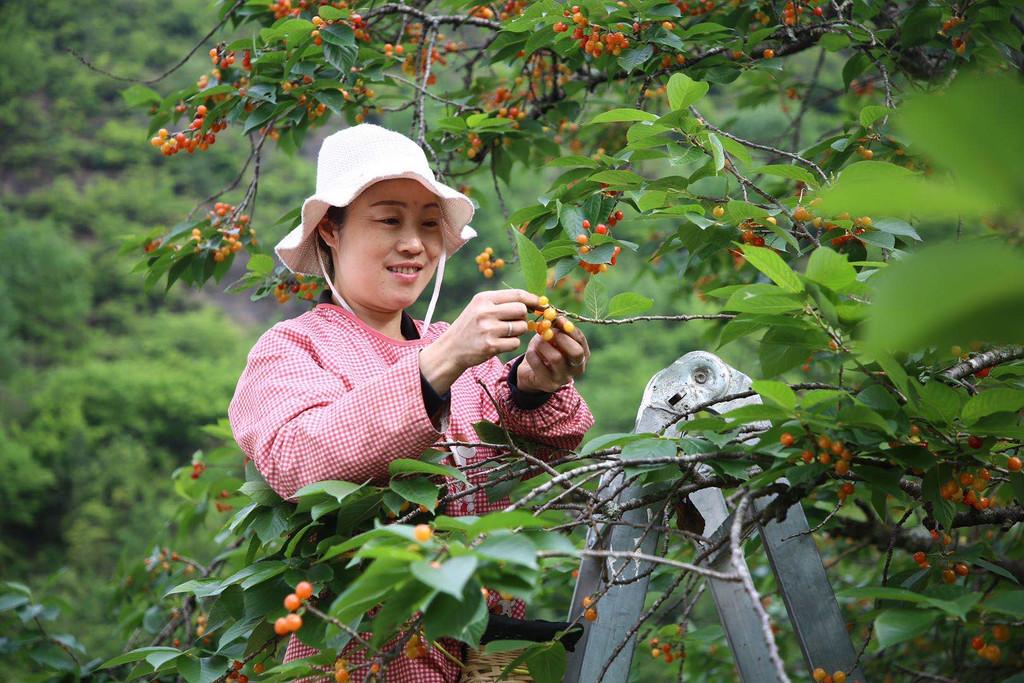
(491, 324)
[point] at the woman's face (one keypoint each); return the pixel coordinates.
(390, 244)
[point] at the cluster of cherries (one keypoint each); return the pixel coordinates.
(589, 611)
(991, 651)
(197, 469)
(486, 265)
(583, 242)
(791, 15)
(293, 602)
(822, 676)
(284, 290)
(164, 564)
(596, 43)
(544, 321)
(172, 144)
(829, 451)
(231, 229)
(663, 651)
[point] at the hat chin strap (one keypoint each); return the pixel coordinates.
(341, 300)
(433, 297)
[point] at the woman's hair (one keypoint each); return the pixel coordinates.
(335, 218)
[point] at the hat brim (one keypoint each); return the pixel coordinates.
(297, 250)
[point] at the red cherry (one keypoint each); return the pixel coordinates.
(974, 441)
(982, 373)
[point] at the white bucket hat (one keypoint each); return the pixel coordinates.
(349, 162)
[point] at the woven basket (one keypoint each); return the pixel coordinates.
(485, 667)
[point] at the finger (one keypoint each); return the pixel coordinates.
(572, 350)
(576, 334)
(554, 360)
(513, 310)
(508, 328)
(539, 366)
(505, 344)
(503, 296)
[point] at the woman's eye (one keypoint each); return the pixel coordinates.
(390, 221)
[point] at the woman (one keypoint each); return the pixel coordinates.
(342, 390)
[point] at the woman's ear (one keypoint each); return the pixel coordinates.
(328, 231)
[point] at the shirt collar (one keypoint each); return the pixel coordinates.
(408, 327)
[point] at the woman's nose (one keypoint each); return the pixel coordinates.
(410, 242)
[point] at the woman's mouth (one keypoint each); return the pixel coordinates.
(405, 274)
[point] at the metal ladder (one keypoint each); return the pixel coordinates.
(695, 379)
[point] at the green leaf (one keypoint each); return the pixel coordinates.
(140, 96)
(463, 619)
(418, 490)
(635, 56)
(547, 664)
(717, 153)
(871, 113)
(684, 91)
(628, 303)
(830, 269)
(623, 114)
(934, 122)
(771, 264)
(595, 299)
(137, 655)
(509, 547)
(879, 188)
(776, 392)
(532, 264)
(619, 178)
(409, 465)
(339, 490)
(898, 625)
(991, 401)
(1006, 601)
(949, 294)
(788, 171)
(450, 578)
(749, 299)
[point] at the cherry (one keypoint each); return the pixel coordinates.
(292, 602)
(281, 626)
(920, 557)
(961, 569)
(293, 621)
(974, 441)
(1013, 464)
(801, 214)
(948, 576)
(768, 53)
(590, 614)
(786, 439)
(982, 373)
(718, 211)
(977, 642)
(423, 533)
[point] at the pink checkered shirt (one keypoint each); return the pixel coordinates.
(324, 396)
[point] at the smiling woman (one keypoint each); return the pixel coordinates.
(342, 390)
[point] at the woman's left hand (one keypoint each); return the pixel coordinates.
(550, 365)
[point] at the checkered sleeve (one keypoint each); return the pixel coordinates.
(561, 421)
(300, 423)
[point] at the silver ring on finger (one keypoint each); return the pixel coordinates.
(509, 328)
